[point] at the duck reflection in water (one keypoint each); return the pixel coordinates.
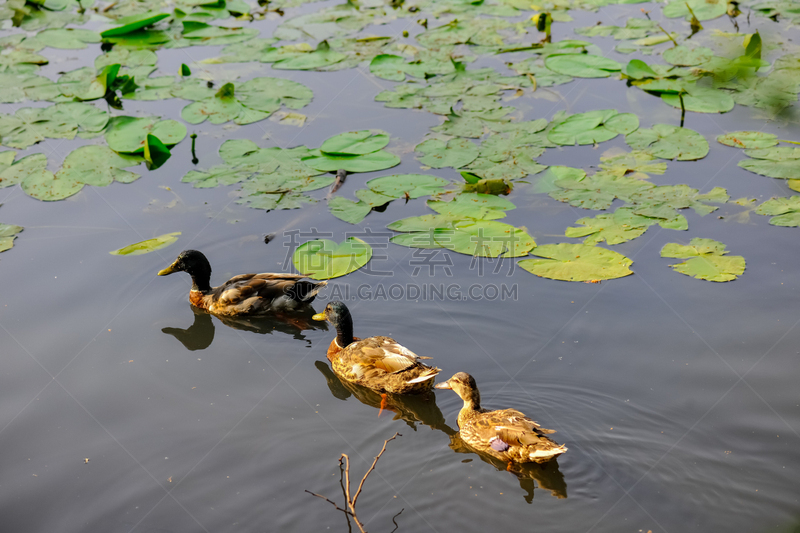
(200, 334)
(413, 409)
(546, 475)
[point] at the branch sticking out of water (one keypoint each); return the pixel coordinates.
(344, 466)
(683, 108)
(194, 155)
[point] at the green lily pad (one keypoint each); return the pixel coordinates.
(472, 205)
(97, 165)
(479, 238)
(412, 185)
(669, 142)
(582, 65)
(702, 9)
(784, 211)
(129, 134)
(380, 160)
(348, 210)
(592, 127)
(748, 139)
(707, 260)
(684, 56)
(701, 100)
(325, 259)
(577, 262)
(622, 225)
(776, 162)
(67, 39)
(355, 142)
(150, 245)
(454, 153)
(43, 185)
(61, 121)
(8, 233)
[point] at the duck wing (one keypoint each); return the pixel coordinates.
(381, 353)
(245, 286)
(509, 427)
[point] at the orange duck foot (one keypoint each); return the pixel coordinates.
(384, 403)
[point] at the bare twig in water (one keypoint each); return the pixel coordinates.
(396, 525)
(344, 466)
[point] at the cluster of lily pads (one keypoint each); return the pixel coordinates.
(480, 137)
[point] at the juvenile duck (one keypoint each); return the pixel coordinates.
(246, 294)
(506, 434)
(379, 363)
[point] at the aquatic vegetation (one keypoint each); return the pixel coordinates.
(706, 260)
(325, 259)
(150, 245)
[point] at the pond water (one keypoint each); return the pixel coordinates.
(122, 409)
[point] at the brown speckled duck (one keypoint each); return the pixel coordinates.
(246, 294)
(506, 434)
(379, 363)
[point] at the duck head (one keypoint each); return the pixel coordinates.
(193, 263)
(464, 385)
(339, 315)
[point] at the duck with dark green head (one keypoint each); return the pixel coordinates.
(246, 294)
(506, 434)
(379, 363)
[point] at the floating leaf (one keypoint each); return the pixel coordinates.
(592, 127)
(701, 100)
(97, 165)
(134, 22)
(129, 134)
(355, 142)
(707, 260)
(480, 238)
(577, 262)
(669, 142)
(43, 185)
(776, 162)
(379, 160)
(150, 245)
(748, 139)
(348, 210)
(454, 153)
(67, 39)
(61, 121)
(785, 211)
(8, 233)
(620, 226)
(473, 205)
(325, 259)
(413, 185)
(687, 57)
(582, 65)
(702, 9)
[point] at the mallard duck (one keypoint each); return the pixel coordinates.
(506, 434)
(246, 294)
(378, 363)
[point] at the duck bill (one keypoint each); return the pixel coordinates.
(319, 316)
(167, 271)
(443, 385)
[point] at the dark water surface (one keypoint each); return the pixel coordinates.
(677, 398)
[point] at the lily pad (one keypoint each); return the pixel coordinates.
(592, 127)
(150, 245)
(707, 260)
(620, 226)
(577, 262)
(582, 65)
(98, 166)
(669, 142)
(479, 238)
(454, 153)
(776, 162)
(702, 9)
(684, 56)
(133, 23)
(784, 211)
(356, 142)
(129, 134)
(748, 139)
(380, 160)
(8, 233)
(325, 259)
